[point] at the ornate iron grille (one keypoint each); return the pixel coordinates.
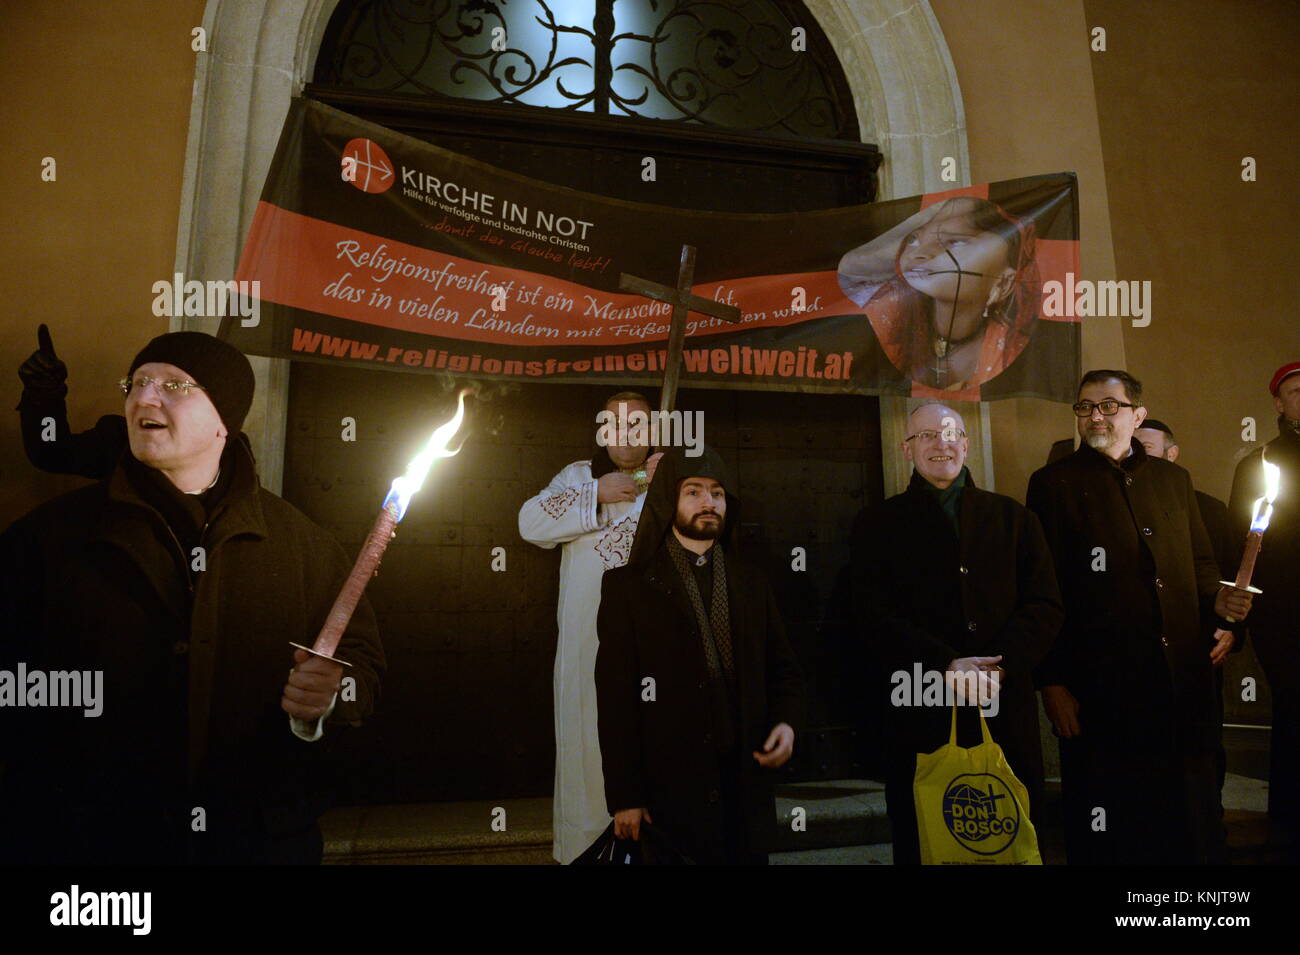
(722, 63)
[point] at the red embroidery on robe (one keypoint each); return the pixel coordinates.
(557, 504)
(615, 546)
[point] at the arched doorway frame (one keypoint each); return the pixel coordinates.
(262, 52)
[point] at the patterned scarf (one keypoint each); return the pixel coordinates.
(715, 626)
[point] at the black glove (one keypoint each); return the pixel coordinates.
(43, 375)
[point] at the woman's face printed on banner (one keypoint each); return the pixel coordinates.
(951, 292)
(951, 260)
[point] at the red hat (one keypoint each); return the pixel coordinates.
(1281, 375)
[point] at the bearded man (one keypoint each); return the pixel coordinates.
(700, 695)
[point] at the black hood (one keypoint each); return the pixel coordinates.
(660, 507)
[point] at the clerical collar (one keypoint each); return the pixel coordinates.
(215, 478)
(699, 560)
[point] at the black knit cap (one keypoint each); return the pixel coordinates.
(1156, 425)
(221, 368)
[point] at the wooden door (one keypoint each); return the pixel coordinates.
(466, 711)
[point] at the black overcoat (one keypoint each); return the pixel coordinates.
(922, 594)
(1138, 578)
(1137, 572)
(1275, 613)
(1214, 514)
(94, 580)
(1227, 554)
(660, 754)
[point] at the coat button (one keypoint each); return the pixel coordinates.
(1147, 531)
(1164, 641)
(971, 626)
(963, 569)
(713, 795)
(1128, 479)
(180, 648)
(1159, 582)
(701, 685)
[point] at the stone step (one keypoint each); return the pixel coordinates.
(880, 854)
(841, 812)
(845, 822)
(836, 813)
(444, 833)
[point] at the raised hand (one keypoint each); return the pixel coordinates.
(43, 371)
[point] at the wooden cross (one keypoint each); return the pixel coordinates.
(682, 302)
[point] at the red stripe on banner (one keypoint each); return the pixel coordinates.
(978, 192)
(317, 266)
(1058, 260)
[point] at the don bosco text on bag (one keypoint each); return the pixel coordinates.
(970, 808)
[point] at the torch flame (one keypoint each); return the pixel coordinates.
(404, 487)
(1272, 484)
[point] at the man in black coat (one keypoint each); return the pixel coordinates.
(1157, 439)
(174, 586)
(1275, 623)
(1128, 685)
(950, 578)
(698, 690)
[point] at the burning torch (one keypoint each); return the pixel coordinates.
(372, 551)
(1260, 517)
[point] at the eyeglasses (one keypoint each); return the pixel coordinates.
(947, 434)
(1108, 406)
(172, 387)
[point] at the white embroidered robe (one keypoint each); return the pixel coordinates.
(595, 537)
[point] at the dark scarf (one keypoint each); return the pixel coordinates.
(186, 514)
(1288, 428)
(715, 626)
(949, 498)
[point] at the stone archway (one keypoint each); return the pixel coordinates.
(909, 104)
(262, 52)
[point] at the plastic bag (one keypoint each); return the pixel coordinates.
(970, 808)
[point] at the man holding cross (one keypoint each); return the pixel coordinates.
(591, 508)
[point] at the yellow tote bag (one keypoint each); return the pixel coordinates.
(970, 808)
